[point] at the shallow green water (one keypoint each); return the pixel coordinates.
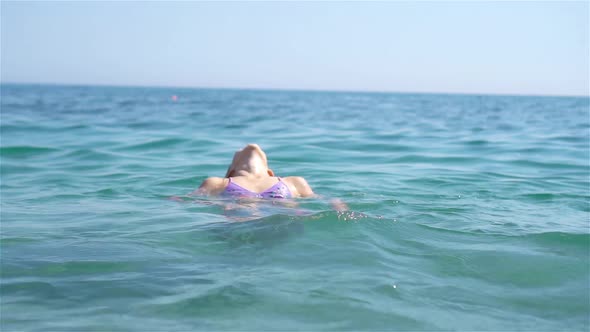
(468, 212)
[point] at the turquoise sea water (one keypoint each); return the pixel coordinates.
(467, 212)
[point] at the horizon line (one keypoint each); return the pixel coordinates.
(296, 89)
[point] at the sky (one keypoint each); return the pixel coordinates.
(530, 48)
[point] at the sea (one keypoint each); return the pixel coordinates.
(466, 212)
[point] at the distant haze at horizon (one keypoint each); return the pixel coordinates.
(464, 48)
(229, 88)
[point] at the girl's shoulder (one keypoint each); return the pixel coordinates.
(299, 184)
(212, 186)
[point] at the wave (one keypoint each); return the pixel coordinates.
(156, 144)
(25, 151)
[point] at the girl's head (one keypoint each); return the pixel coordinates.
(251, 159)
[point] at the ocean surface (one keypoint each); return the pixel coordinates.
(466, 212)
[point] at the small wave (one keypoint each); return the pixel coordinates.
(90, 155)
(36, 288)
(22, 128)
(561, 238)
(235, 126)
(436, 160)
(277, 228)
(568, 139)
(476, 142)
(75, 127)
(539, 196)
(17, 240)
(543, 197)
(25, 151)
(124, 103)
(188, 181)
(580, 240)
(9, 169)
(157, 144)
(239, 295)
(69, 268)
(267, 230)
(104, 193)
(548, 165)
(113, 176)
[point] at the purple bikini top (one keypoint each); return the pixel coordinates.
(278, 190)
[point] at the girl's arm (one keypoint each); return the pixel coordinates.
(210, 187)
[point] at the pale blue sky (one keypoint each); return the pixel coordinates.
(464, 47)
